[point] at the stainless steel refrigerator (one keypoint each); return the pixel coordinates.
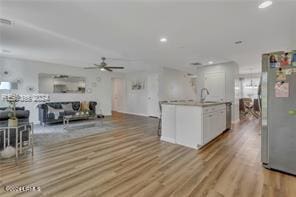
(278, 134)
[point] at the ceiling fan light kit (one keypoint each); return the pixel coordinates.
(103, 66)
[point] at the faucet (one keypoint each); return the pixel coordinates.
(202, 95)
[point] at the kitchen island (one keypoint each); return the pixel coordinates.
(192, 124)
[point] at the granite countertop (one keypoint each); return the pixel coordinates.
(199, 104)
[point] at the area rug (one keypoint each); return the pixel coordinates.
(49, 135)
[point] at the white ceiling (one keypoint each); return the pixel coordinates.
(78, 33)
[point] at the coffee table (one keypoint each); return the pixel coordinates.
(69, 118)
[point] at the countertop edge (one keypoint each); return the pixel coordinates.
(196, 104)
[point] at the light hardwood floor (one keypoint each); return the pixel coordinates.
(132, 161)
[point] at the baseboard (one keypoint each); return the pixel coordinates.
(168, 139)
(131, 113)
(235, 121)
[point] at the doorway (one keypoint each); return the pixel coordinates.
(118, 94)
(152, 95)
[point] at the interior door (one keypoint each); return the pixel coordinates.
(118, 94)
(152, 95)
(215, 83)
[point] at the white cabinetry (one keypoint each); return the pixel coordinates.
(207, 127)
(214, 122)
(168, 123)
(188, 127)
(192, 126)
(215, 83)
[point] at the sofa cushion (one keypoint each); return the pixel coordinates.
(20, 114)
(69, 112)
(4, 115)
(55, 112)
(84, 106)
(67, 107)
(7, 108)
(3, 109)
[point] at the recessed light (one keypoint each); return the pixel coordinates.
(163, 40)
(102, 69)
(210, 62)
(265, 4)
(191, 75)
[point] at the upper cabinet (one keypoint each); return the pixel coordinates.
(215, 83)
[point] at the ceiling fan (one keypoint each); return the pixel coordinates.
(104, 66)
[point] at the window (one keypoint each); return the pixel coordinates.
(4, 85)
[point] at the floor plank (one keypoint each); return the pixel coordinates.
(130, 160)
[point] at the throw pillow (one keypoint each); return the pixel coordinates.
(56, 112)
(4, 109)
(67, 107)
(84, 106)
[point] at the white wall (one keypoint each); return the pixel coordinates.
(176, 85)
(45, 84)
(28, 72)
(231, 75)
(136, 99)
(173, 85)
(132, 101)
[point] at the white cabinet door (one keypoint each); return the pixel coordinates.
(216, 121)
(208, 126)
(188, 126)
(215, 82)
(214, 124)
(168, 123)
(222, 120)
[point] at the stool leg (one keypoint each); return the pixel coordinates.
(32, 139)
(16, 145)
(21, 142)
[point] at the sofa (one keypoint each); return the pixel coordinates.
(21, 114)
(48, 116)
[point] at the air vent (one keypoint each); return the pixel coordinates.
(196, 64)
(5, 21)
(191, 75)
(61, 76)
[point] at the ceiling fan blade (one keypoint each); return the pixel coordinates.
(115, 67)
(90, 67)
(98, 65)
(108, 69)
(122, 59)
